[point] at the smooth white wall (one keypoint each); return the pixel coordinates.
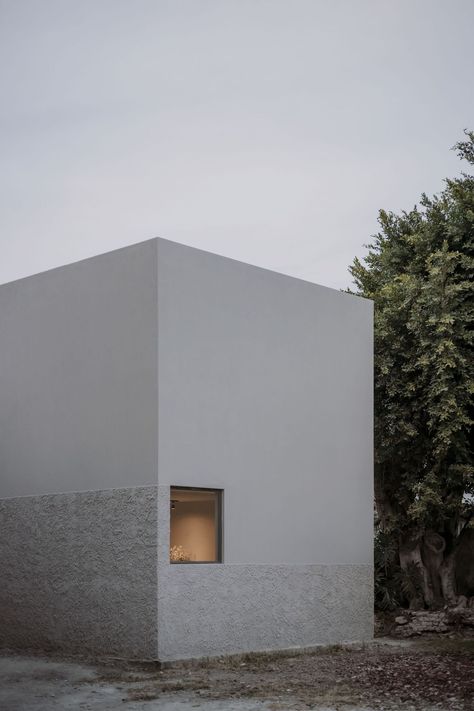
(78, 380)
(265, 390)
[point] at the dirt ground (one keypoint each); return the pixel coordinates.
(427, 674)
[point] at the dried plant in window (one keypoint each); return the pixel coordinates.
(178, 553)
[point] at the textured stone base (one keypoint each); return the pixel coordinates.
(79, 572)
(208, 610)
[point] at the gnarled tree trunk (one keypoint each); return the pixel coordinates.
(432, 553)
(447, 573)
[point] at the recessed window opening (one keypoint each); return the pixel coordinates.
(195, 525)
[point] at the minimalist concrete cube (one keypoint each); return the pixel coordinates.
(185, 458)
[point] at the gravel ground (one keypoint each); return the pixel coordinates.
(428, 674)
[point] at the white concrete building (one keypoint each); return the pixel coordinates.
(162, 402)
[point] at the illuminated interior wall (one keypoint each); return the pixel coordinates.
(193, 526)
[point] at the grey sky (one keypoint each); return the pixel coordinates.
(270, 131)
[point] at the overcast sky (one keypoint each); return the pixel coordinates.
(271, 131)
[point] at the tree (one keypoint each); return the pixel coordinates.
(419, 271)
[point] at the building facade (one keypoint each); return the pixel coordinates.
(185, 458)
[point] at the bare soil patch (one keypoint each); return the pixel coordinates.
(422, 675)
(430, 673)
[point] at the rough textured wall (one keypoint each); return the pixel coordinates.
(79, 572)
(222, 609)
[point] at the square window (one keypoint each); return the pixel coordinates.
(195, 525)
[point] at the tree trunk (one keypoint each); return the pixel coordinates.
(447, 572)
(437, 568)
(432, 550)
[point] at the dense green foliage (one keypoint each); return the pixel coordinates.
(419, 271)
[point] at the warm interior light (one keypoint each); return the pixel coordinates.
(194, 525)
